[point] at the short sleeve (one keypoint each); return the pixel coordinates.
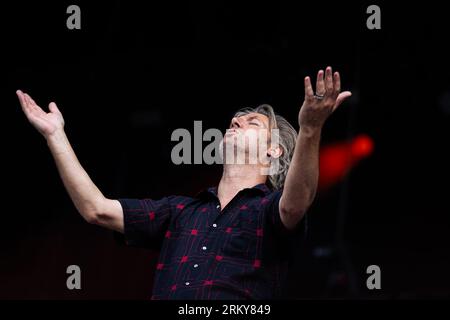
(146, 220)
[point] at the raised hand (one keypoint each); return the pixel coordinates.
(46, 123)
(318, 107)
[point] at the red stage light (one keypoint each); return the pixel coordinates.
(337, 159)
(362, 146)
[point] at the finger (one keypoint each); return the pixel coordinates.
(22, 101)
(309, 93)
(341, 98)
(34, 108)
(328, 81)
(320, 83)
(26, 108)
(30, 101)
(27, 101)
(337, 82)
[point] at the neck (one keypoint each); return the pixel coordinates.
(236, 177)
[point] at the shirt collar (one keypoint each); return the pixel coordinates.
(259, 188)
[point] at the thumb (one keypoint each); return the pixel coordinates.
(341, 98)
(53, 108)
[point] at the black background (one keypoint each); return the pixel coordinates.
(138, 70)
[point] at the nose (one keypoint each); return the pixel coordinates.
(235, 123)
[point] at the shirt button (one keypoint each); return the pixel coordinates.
(195, 265)
(218, 206)
(215, 225)
(204, 248)
(187, 283)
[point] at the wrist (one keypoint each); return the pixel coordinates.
(57, 141)
(310, 131)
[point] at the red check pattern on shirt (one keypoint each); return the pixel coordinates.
(239, 252)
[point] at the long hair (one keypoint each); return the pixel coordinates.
(287, 138)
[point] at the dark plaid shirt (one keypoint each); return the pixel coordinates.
(240, 252)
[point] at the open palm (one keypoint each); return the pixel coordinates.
(319, 106)
(45, 123)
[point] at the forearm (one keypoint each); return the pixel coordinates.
(301, 181)
(86, 197)
(303, 175)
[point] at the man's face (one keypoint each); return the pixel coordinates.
(247, 135)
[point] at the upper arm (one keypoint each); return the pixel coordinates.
(110, 215)
(289, 218)
(282, 222)
(282, 235)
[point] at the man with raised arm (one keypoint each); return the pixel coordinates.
(230, 241)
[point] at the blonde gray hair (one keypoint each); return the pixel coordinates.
(287, 138)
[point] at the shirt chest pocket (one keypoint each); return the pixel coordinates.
(241, 241)
(240, 244)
